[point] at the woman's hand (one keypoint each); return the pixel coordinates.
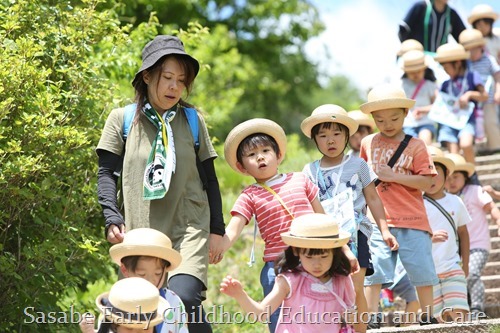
(115, 234)
(215, 248)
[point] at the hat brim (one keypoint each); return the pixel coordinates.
(415, 68)
(467, 167)
(121, 250)
(153, 59)
(474, 17)
(307, 124)
(474, 43)
(247, 128)
(163, 306)
(384, 104)
(452, 57)
(316, 243)
(447, 162)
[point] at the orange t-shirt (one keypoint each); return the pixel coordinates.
(403, 205)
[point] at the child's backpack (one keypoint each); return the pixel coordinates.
(192, 118)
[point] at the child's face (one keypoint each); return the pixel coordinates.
(452, 68)
(455, 183)
(390, 121)
(260, 162)
(355, 139)
(476, 53)
(316, 265)
(416, 76)
(438, 181)
(331, 141)
(148, 268)
(483, 26)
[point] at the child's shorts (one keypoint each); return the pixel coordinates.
(450, 292)
(415, 252)
(449, 134)
(414, 131)
(364, 256)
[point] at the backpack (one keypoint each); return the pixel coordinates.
(192, 118)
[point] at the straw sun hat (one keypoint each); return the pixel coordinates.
(471, 38)
(362, 118)
(482, 11)
(247, 128)
(461, 164)
(413, 61)
(451, 52)
(131, 302)
(387, 96)
(315, 231)
(410, 44)
(438, 157)
(325, 114)
(146, 242)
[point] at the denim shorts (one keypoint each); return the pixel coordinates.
(449, 134)
(414, 131)
(415, 252)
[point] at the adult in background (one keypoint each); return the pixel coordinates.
(168, 184)
(431, 22)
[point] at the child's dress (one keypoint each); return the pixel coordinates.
(313, 306)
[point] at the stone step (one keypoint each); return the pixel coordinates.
(492, 296)
(490, 179)
(491, 281)
(495, 243)
(491, 268)
(479, 326)
(494, 255)
(489, 159)
(488, 169)
(493, 230)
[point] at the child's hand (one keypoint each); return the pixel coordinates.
(463, 101)
(390, 240)
(417, 113)
(352, 259)
(385, 173)
(231, 287)
(439, 236)
(87, 323)
(215, 248)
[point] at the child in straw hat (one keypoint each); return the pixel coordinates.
(313, 287)
(147, 253)
(345, 187)
(401, 193)
(366, 127)
(448, 218)
(132, 305)
(463, 87)
(482, 18)
(489, 70)
(479, 204)
(256, 147)
(419, 83)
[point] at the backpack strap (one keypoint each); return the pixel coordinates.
(128, 116)
(399, 151)
(192, 118)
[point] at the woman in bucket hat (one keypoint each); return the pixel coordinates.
(256, 148)
(177, 201)
(462, 91)
(400, 190)
(420, 85)
(479, 204)
(132, 305)
(344, 176)
(314, 279)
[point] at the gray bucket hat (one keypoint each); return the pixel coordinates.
(161, 46)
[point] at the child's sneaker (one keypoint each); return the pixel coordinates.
(375, 321)
(425, 319)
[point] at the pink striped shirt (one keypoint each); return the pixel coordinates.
(296, 191)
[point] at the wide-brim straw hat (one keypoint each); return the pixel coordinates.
(451, 52)
(410, 44)
(386, 96)
(315, 231)
(247, 128)
(470, 38)
(438, 156)
(146, 242)
(159, 47)
(482, 11)
(413, 61)
(362, 118)
(461, 164)
(134, 303)
(328, 113)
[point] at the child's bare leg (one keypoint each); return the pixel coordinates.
(425, 135)
(426, 299)
(453, 147)
(358, 280)
(466, 143)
